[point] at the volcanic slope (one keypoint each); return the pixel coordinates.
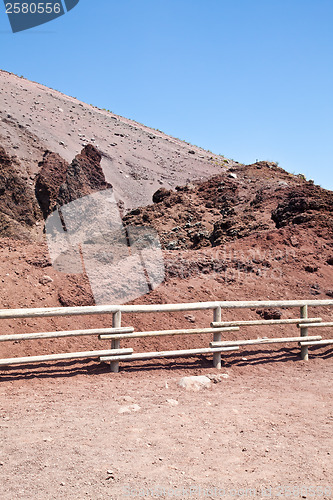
(136, 159)
(227, 231)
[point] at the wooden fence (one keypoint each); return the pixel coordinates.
(217, 328)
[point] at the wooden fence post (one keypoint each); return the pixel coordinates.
(115, 344)
(304, 333)
(217, 316)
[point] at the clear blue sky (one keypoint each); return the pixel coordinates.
(247, 79)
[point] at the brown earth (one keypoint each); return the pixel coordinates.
(248, 232)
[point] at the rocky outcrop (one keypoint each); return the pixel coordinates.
(269, 313)
(303, 204)
(84, 176)
(244, 200)
(161, 194)
(19, 211)
(52, 175)
(23, 205)
(59, 183)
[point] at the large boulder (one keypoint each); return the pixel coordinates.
(195, 383)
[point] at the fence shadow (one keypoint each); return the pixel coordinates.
(63, 369)
(92, 367)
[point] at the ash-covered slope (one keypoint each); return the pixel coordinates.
(136, 160)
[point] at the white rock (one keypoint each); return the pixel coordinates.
(128, 399)
(45, 280)
(173, 402)
(129, 408)
(195, 383)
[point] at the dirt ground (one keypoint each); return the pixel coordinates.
(76, 431)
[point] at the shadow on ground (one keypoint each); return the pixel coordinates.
(92, 367)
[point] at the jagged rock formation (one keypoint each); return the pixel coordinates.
(52, 175)
(241, 201)
(308, 204)
(84, 176)
(59, 183)
(24, 204)
(19, 211)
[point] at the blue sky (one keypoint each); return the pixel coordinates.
(247, 79)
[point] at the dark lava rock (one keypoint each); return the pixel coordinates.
(161, 194)
(303, 204)
(59, 183)
(311, 269)
(220, 230)
(84, 176)
(269, 313)
(52, 175)
(18, 208)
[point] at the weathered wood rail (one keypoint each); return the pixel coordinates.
(217, 328)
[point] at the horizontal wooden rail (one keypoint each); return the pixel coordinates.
(259, 322)
(167, 354)
(319, 342)
(280, 340)
(217, 328)
(72, 333)
(161, 333)
(84, 310)
(316, 325)
(67, 355)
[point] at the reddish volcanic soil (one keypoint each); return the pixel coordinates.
(76, 432)
(72, 429)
